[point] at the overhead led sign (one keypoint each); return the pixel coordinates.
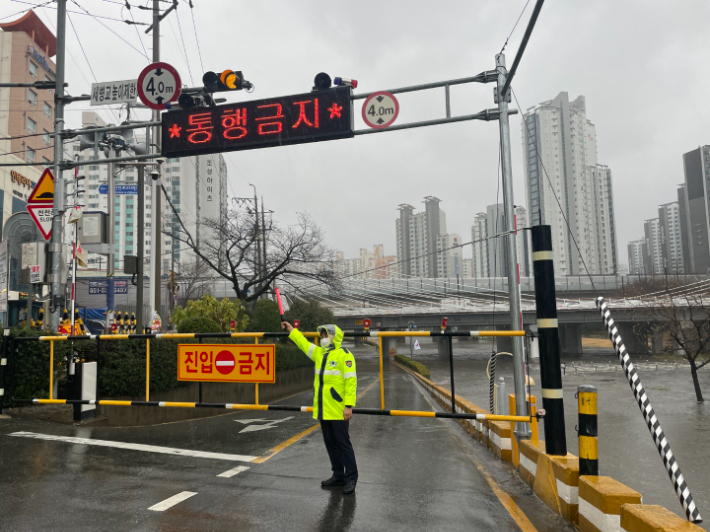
(311, 117)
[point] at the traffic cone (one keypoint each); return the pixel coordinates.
(40, 318)
(119, 321)
(134, 323)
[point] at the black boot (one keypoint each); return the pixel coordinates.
(333, 481)
(349, 487)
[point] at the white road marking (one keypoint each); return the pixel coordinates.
(137, 447)
(172, 501)
(233, 471)
(254, 428)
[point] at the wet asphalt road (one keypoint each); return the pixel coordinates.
(626, 450)
(415, 474)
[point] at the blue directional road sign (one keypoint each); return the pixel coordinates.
(103, 189)
(127, 190)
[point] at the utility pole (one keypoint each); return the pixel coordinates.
(522, 430)
(56, 244)
(111, 267)
(156, 262)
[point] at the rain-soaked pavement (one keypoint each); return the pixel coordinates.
(415, 473)
(626, 450)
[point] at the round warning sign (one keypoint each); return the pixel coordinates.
(158, 85)
(224, 362)
(380, 110)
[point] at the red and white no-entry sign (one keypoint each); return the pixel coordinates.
(380, 110)
(224, 362)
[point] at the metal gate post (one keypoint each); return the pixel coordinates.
(550, 370)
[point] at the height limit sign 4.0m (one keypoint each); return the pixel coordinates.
(380, 110)
(158, 85)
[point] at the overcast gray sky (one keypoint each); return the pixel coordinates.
(642, 66)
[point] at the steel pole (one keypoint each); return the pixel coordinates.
(111, 266)
(141, 241)
(522, 430)
(57, 303)
(157, 215)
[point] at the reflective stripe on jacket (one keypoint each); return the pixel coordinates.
(335, 382)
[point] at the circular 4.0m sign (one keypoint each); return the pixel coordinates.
(380, 110)
(158, 85)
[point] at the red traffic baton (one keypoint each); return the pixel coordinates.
(281, 306)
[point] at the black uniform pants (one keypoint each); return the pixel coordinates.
(340, 450)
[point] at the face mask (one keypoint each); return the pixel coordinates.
(324, 342)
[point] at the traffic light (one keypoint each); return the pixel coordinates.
(227, 80)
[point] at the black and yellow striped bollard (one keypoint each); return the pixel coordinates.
(588, 453)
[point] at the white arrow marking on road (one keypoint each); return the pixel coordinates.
(254, 428)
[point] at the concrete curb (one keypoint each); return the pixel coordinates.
(600, 502)
(653, 518)
(595, 504)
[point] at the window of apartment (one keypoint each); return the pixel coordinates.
(93, 167)
(93, 187)
(47, 110)
(32, 97)
(45, 160)
(45, 136)
(93, 205)
(31, 125)
(30, 155)
(34, 70)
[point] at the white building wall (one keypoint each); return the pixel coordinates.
(479, 235)
(635, 254)
(560, 146)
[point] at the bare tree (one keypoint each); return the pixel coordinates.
(193, 280)
(232, 247)
(681, 313)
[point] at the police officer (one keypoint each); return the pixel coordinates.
(335, 387)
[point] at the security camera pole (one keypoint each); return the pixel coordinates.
(56, 243)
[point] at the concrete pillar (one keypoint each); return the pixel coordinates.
(387, 345)
(504, 343)
(443, 347)
(571, 339)
(635, 338)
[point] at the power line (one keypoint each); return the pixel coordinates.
(140, 39)
(97, 18)
(515, 26)
(82, 48)
(26, 10)
(45, 6)
(194, 26)
(184, 48)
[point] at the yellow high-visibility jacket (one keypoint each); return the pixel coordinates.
(335, 383)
